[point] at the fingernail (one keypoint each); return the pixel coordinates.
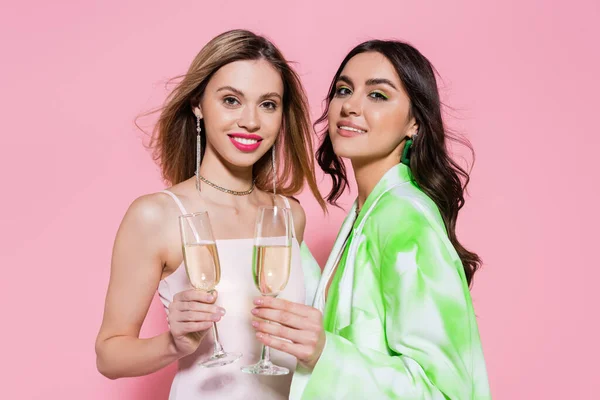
(255, 324)
(222, 311)
(258, 301)
(254, 311)
(259, 335)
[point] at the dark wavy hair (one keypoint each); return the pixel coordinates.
(431, 166)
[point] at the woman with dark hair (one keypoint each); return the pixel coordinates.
(392, 317)
(238, 111)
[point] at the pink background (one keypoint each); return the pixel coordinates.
(522, 77)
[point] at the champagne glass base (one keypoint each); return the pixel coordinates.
(265, 368)
(220, 359)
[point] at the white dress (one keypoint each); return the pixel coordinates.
(236, 293)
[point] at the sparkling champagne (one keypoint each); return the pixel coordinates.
(202, 265)
(271, 268)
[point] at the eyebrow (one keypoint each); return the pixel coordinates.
(369, 82)
(270, 95)
(231, 89)
(241, 94)
(380, 81)
(346, 79)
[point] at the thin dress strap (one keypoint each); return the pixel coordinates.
(177, 201)
(287, 205)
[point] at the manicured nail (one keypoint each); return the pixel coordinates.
(258, 301)
(255, 324)
(254, 311)
(222, 311)
(259, 335)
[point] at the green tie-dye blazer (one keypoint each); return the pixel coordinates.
(399, 320)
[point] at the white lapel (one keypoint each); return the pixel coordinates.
(336, 253)
(346, 285)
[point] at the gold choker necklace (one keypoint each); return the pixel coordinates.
(222, 189)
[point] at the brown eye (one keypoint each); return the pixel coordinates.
(269, 105)
(231, 101)
(378, 96)
(342, 91)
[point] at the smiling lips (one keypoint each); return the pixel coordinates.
(348, 129)
(245, 142)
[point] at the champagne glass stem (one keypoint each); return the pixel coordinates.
(219, 357)
(265, 354)
(218, 348)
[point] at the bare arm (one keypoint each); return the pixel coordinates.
(136, 270)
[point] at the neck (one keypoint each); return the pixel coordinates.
(368, 173)
(218, 171)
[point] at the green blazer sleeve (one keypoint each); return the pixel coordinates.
(433, 346)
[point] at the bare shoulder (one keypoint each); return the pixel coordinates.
(147, 214)
(148, 209)
(297, 211)
(299, 217)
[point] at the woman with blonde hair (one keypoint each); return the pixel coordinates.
(238, 111)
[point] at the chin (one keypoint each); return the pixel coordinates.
(343, 149)
(243, 160)
(350, 154)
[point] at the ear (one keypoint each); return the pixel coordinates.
(413, 128)
(197, 111)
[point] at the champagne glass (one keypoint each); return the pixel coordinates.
(271, 269)
(204, 271)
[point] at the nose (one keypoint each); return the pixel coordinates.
(351, 106)
(249, 119)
